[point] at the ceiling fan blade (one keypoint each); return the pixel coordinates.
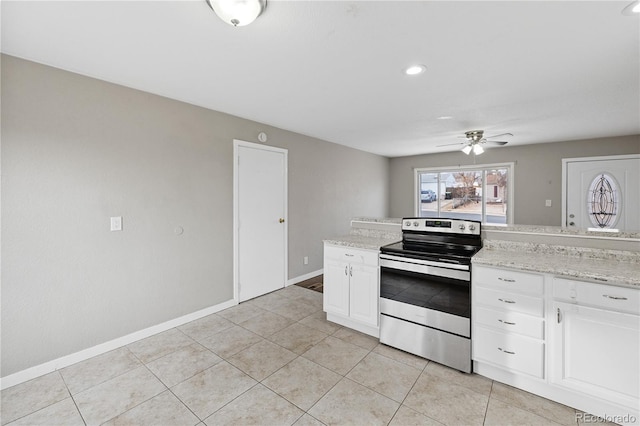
(497, 142)
(501, 134)
(450, 144)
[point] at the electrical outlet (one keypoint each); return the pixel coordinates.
(116, 223)
(305, 260)
(547, 203)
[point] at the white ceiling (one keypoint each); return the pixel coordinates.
(545, 71)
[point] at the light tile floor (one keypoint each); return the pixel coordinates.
(274, 360)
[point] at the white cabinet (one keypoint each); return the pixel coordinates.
(507, 319)
(574, 342)
(351, 291)
(596, 340)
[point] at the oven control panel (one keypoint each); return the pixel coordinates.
(449, 226)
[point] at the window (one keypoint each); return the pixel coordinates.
(483, 193)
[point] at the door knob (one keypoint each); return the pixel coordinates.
(281, 220)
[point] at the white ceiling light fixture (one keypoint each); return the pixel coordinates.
(415, 69)
(632, 9)
(238, 12)
(473, 146)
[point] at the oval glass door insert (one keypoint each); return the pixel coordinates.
(603, 201)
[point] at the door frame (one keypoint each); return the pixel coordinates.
(237, 143)
(565, 163)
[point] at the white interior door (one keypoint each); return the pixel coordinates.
(602, 192)
(260, 219)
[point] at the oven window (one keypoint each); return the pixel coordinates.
(428, 291)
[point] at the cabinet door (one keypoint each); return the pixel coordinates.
(597, 351)
(336, 287)
(363, 297)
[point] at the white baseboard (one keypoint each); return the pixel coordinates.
(67, 360)
(304, 277)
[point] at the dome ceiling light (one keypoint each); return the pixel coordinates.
(632, 9)
(238, 12)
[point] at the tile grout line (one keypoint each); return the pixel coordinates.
(486, 410)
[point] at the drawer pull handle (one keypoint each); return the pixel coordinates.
(507, 280)
(346, 270)
(350, 271)
(507, 301)
(506, 351)
(507, 322)
(348, 255)
(614, 297)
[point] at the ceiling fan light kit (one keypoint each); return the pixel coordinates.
(238, 12)
(475, 140)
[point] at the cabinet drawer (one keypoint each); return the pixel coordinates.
(621, 299)
(508, 350)
(351, 255)
(506, 301)
(508, 280)
(509, 321)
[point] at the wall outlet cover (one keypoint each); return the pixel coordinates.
(116, 223)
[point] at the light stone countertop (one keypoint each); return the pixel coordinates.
(363, 241)
(609, 267)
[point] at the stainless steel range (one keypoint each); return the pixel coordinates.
(425, 290)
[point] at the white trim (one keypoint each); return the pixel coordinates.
(565, 163)
(67, 360)
(305, 277)
(510, 184)
(236, 211)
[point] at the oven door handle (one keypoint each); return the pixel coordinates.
(424, 269)
(423, 262)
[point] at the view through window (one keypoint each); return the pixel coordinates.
(481, 193)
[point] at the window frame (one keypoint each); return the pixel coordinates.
(510, 166)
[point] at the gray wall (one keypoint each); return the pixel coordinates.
(538, 174)
(76, 151)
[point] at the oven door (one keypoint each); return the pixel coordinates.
(425, 293)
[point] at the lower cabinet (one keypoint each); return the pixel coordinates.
(508, 320)
(574, 342)
(596, 340)
(351, 288)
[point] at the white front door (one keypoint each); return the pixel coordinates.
(602, 192)
(260, 175)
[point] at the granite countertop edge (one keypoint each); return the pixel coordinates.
(601, 271)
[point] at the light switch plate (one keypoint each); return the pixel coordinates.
(116, 223)
(547, 203)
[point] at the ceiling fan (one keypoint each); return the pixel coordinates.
(475, 140)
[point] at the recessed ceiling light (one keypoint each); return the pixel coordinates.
(445, 117)
(632, 8)
(415, 69)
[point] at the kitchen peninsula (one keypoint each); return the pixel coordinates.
(556, 312)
